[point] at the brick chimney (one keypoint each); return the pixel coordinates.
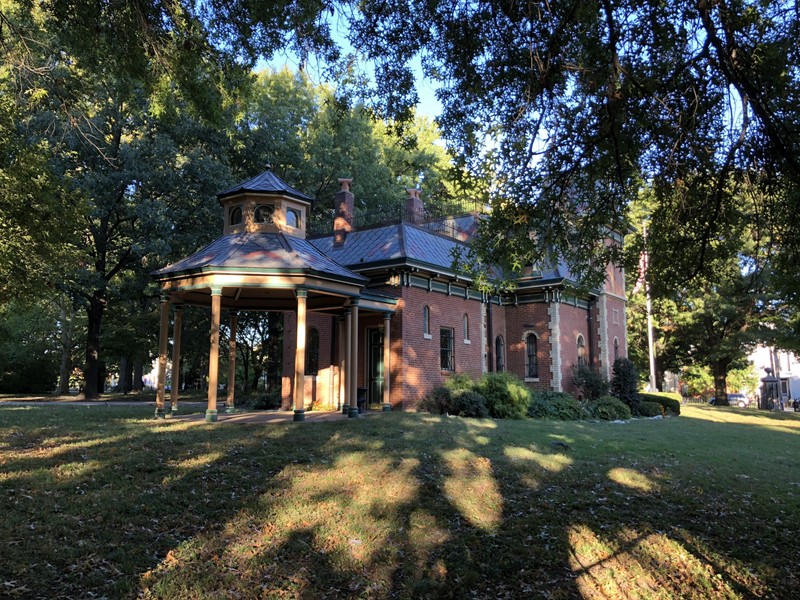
(415, 212)
(345, 209)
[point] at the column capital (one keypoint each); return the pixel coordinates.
(354, 301)
(177, 306)
(301, 293)
(233, 314)
(387, 316)
(165, 298)
(347, 311)
(216, 290)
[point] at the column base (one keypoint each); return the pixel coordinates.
(174, 409)
(299, 415)
(387, 407)
(159, 412)
(230, 409)
(352, 413)
(211, 416)
(345, 409)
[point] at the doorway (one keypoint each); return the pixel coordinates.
(375, 366)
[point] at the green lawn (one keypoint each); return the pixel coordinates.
(105, 501)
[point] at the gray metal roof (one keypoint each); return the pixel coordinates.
(266, 183)
(260, 253)
(406, 242)
(398, 242)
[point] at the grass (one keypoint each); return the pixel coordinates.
(104, 501)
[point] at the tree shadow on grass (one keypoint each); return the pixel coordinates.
(393, 506)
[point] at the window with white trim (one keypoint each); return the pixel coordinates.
(581, 351)
(531, 356)
(446, 337)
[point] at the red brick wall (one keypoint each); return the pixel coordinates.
(520, 320)
(618, 329)
(421, 370)
(573, 323)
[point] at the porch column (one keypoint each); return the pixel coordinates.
(353, 412)
(213, 355)
(232, 363)
(348, 317)
(342, 362)
(387, 356)
(176, 357)
(163, 336)
(300, 358)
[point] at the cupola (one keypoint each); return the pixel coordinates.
(265, 203)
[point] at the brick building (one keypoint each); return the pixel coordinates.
(383, 316)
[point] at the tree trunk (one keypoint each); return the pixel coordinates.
(66, 347)
(138, 374)
(124, 375)
(92, 370)
(720, 372)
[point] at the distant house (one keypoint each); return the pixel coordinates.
(784, 365)
(377, 313)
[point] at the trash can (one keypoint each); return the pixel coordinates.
(361, 399)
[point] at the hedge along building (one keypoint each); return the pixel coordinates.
(380, 308)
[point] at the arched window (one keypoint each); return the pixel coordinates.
(312, 352)
(531, 360)
(426, 320)
(293, 218)
(500, 354)
(235, 216)
(581, 351)
(263, 213)
(466, 327)
(616, 349)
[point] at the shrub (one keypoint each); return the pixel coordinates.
(460, 382)
(506, 396)
(608, 408)
(546, 404)
(438, 402)
(268, 401)
(624, 383)
(590, 382)
(671, 405)
(468, 403)
(650, 409)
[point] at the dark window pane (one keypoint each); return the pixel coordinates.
(446, 344)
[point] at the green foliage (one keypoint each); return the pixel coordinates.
(608, 408)
(507, 397)
(625, 382)
(460, 382)
(670, 402)
(547, 404)
(29, 350)
(649, 409)
(455, 400)
(592, 383)
(268, 401)
(438, 402)
(469, 403)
